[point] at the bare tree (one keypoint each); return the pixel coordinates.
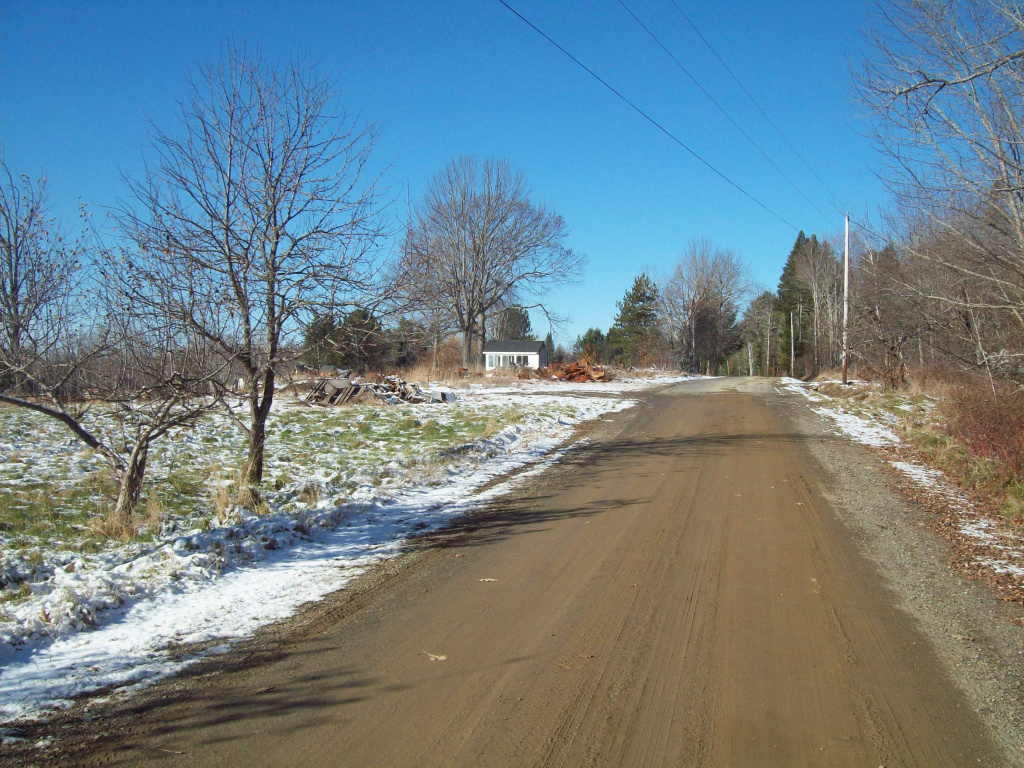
(945, 86)
(760, 330)
(263, 217)
(73, 350)
(39, 273)
(477, 243)
(819, 270)
(700, 299)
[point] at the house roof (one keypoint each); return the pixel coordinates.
(519, 347)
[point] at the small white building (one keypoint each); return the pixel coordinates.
(515, 354)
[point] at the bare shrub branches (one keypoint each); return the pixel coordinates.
(945, 88)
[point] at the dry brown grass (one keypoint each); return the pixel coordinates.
(936, 383)
(310, 494)
(424, 373)
(106, 524)
(219, 494)
(155, 511)
(830, 374)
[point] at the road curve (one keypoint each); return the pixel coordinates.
(676, 592)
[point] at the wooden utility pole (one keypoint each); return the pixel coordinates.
(792, 348)
(846, 303)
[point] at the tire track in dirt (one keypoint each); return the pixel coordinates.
(676, 592)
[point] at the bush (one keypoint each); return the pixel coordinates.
(990, 427)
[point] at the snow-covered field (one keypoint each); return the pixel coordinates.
(346, 487)
(875, 423)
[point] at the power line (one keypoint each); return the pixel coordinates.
(647, 117)
(759, 108)
(724, 111)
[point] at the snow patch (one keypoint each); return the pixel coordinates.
(858, 429)
(132, 617)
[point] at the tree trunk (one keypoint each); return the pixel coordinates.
(467, 347)
(252, 471)
(131, 483)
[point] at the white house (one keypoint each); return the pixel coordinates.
(515, 354)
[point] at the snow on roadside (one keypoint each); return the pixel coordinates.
(136, 621)
(858, 429)
(996, 548)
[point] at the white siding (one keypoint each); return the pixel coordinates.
(512, 359)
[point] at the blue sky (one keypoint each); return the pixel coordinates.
(78, 82)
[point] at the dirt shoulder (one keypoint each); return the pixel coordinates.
(976, 634)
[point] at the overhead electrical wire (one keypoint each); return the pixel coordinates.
(649, 119)
(750, 96)
(723, 110)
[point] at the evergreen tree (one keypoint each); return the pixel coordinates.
(362, 341)
(512, 324)
(634, 334)
(319, 343)
(406, 343)
(592, 345)
(549, 343)
(793, 299)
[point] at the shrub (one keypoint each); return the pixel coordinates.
(990, 427)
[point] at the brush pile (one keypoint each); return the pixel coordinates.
(579, 372)
(389, 389)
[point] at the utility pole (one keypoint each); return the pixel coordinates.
(750, 357)
(846, 302)
(792, 348)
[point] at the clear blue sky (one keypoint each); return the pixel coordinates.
(78, 81)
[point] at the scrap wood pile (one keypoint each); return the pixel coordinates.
(579, 372)
(390, 389)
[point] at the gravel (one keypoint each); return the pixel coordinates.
(977, 637)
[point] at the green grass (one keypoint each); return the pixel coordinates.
(54, 493)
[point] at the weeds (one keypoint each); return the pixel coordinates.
(310, 493)
(113, 527)
(975, 439)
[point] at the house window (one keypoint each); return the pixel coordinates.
(490, 361)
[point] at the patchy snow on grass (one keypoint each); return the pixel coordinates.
(859, 429)
(347, 488)
(926, 477)
(996, 548)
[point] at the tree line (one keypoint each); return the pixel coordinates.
(937, 277)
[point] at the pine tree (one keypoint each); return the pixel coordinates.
(592, 345)
(634, 334)
(795, 299)
(513, 324)
(549, 343)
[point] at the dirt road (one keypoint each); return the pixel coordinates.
(678, 592)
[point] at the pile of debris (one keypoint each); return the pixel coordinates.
(390, 389)
(579, 372)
